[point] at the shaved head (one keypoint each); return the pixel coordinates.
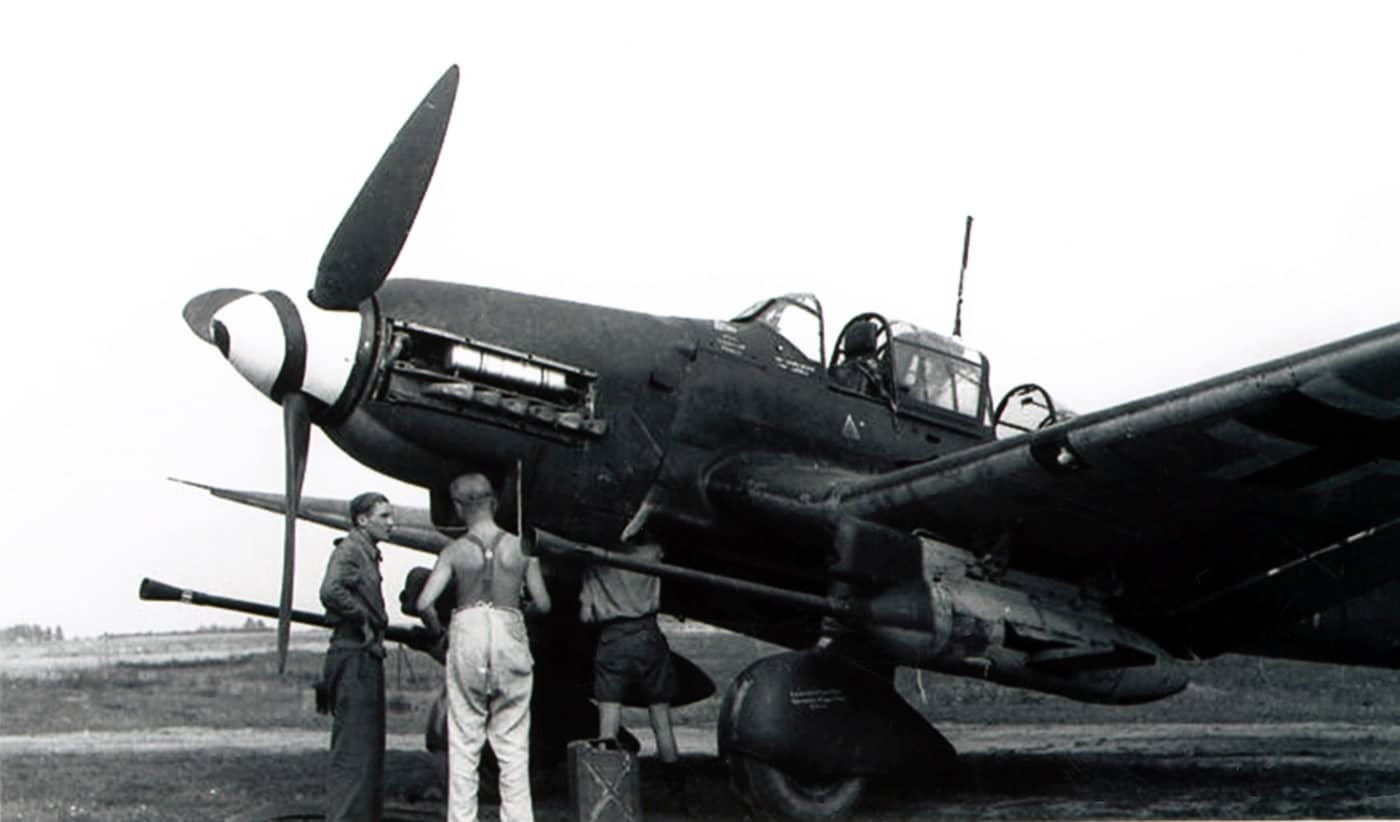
(472, 494)
(470, 487)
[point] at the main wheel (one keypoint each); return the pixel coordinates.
(777, 793)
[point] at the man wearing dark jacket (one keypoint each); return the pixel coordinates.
(354, 670)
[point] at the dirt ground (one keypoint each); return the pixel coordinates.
(1063, 771)
(210, 739)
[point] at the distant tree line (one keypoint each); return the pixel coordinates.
(31, 633)
(249, 624)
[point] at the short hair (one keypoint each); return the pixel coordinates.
(364, 503)
(471, 488)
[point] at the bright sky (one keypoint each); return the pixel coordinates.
(1162, 192)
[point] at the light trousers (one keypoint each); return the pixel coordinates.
(489, 680)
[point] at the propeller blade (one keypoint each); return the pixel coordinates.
(296, 427)
(373, 230)
(199, 312)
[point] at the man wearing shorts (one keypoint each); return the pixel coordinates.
(632, 651)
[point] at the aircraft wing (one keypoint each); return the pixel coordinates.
(413, 527)
(1206, 515)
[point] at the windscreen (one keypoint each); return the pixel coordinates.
(795, 317)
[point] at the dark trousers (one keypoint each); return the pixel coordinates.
(355, 778)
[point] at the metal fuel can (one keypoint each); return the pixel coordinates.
(604, 782)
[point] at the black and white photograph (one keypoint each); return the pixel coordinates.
(701, 411)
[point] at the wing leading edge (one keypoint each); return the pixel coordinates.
(413, 527)
(1204, 516)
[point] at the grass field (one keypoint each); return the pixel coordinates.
(242, 690)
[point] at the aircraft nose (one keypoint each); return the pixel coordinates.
(199, 312)
(278, 343)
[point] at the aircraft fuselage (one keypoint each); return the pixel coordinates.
(609, 413)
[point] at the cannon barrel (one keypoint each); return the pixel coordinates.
(157, 591)
(553, 545)
(906, 607)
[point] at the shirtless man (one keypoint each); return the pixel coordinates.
(489, 667)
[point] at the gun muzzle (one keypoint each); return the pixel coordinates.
(414, 637)
(160, 592)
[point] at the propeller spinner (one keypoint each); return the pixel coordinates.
(300, 353)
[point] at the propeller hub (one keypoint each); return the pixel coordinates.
(282, 344)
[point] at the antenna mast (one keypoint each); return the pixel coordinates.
(520, 500)
(967, 241)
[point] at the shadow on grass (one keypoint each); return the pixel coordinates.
(1266, 784)
(220, 785)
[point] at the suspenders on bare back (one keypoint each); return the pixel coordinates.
(488, 562)
(488, 573)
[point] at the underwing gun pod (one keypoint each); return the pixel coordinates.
(1026, 631)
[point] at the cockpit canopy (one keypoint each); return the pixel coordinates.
(935, 371)
(918, 370)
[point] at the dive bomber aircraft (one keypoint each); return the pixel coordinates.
(863, 524)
